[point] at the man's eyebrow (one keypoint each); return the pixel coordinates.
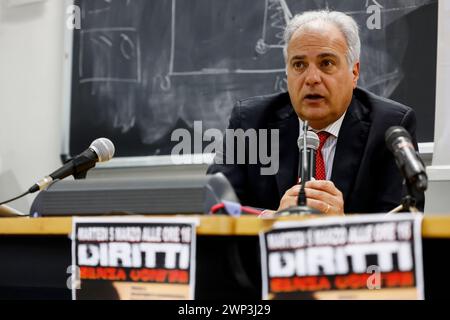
(320, 56)
(327, 55)
(299, 57)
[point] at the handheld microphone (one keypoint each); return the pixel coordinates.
(308, 148)
(101, 150)
(399, 142)
(308, 143)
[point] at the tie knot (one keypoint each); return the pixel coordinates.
(323, 137)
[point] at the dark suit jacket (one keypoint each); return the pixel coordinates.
(364, 170)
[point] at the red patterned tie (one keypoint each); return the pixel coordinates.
(320, 163)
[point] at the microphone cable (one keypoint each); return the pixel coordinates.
(16, 198)
(222, 207)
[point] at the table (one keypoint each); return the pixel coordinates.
(35, 254)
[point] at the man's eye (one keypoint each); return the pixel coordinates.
(298, 65)
(327, 63)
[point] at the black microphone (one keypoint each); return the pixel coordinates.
(399, 142)
(101, 150)
(307, 145)
(310, 145)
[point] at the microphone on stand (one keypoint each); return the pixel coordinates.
(411, 166)
(101, 150)
(308, 143)
(399, 142)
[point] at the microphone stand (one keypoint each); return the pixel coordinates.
(415, 185)
(408, 202)
(82, 175)
(302, 209)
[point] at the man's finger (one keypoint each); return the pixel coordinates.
(323, 185)
(294, 191)
(320, 195)
(324, 207)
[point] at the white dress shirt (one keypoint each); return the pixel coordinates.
(329, 148)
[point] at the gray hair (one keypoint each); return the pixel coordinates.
(346, 24)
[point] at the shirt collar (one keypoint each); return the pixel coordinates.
(332, 129)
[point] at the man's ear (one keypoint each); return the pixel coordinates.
(355, 72)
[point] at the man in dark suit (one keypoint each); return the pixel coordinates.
(355, 172)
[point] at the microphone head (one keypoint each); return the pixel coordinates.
(393, 133)
(104, 148)
(312, 141)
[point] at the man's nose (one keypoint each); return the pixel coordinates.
(313, 76)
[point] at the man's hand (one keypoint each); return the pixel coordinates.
(321, 195)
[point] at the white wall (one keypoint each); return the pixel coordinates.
(442, 132)
(439, 172)
(31, 57)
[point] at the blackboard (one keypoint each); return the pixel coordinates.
(141, 68)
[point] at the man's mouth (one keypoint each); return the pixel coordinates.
(314, 97)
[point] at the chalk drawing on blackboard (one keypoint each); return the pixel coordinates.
(113, 55)
(276, 15)
(165, 81)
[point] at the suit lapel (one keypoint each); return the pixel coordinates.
(350, 148)
(289, 128)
